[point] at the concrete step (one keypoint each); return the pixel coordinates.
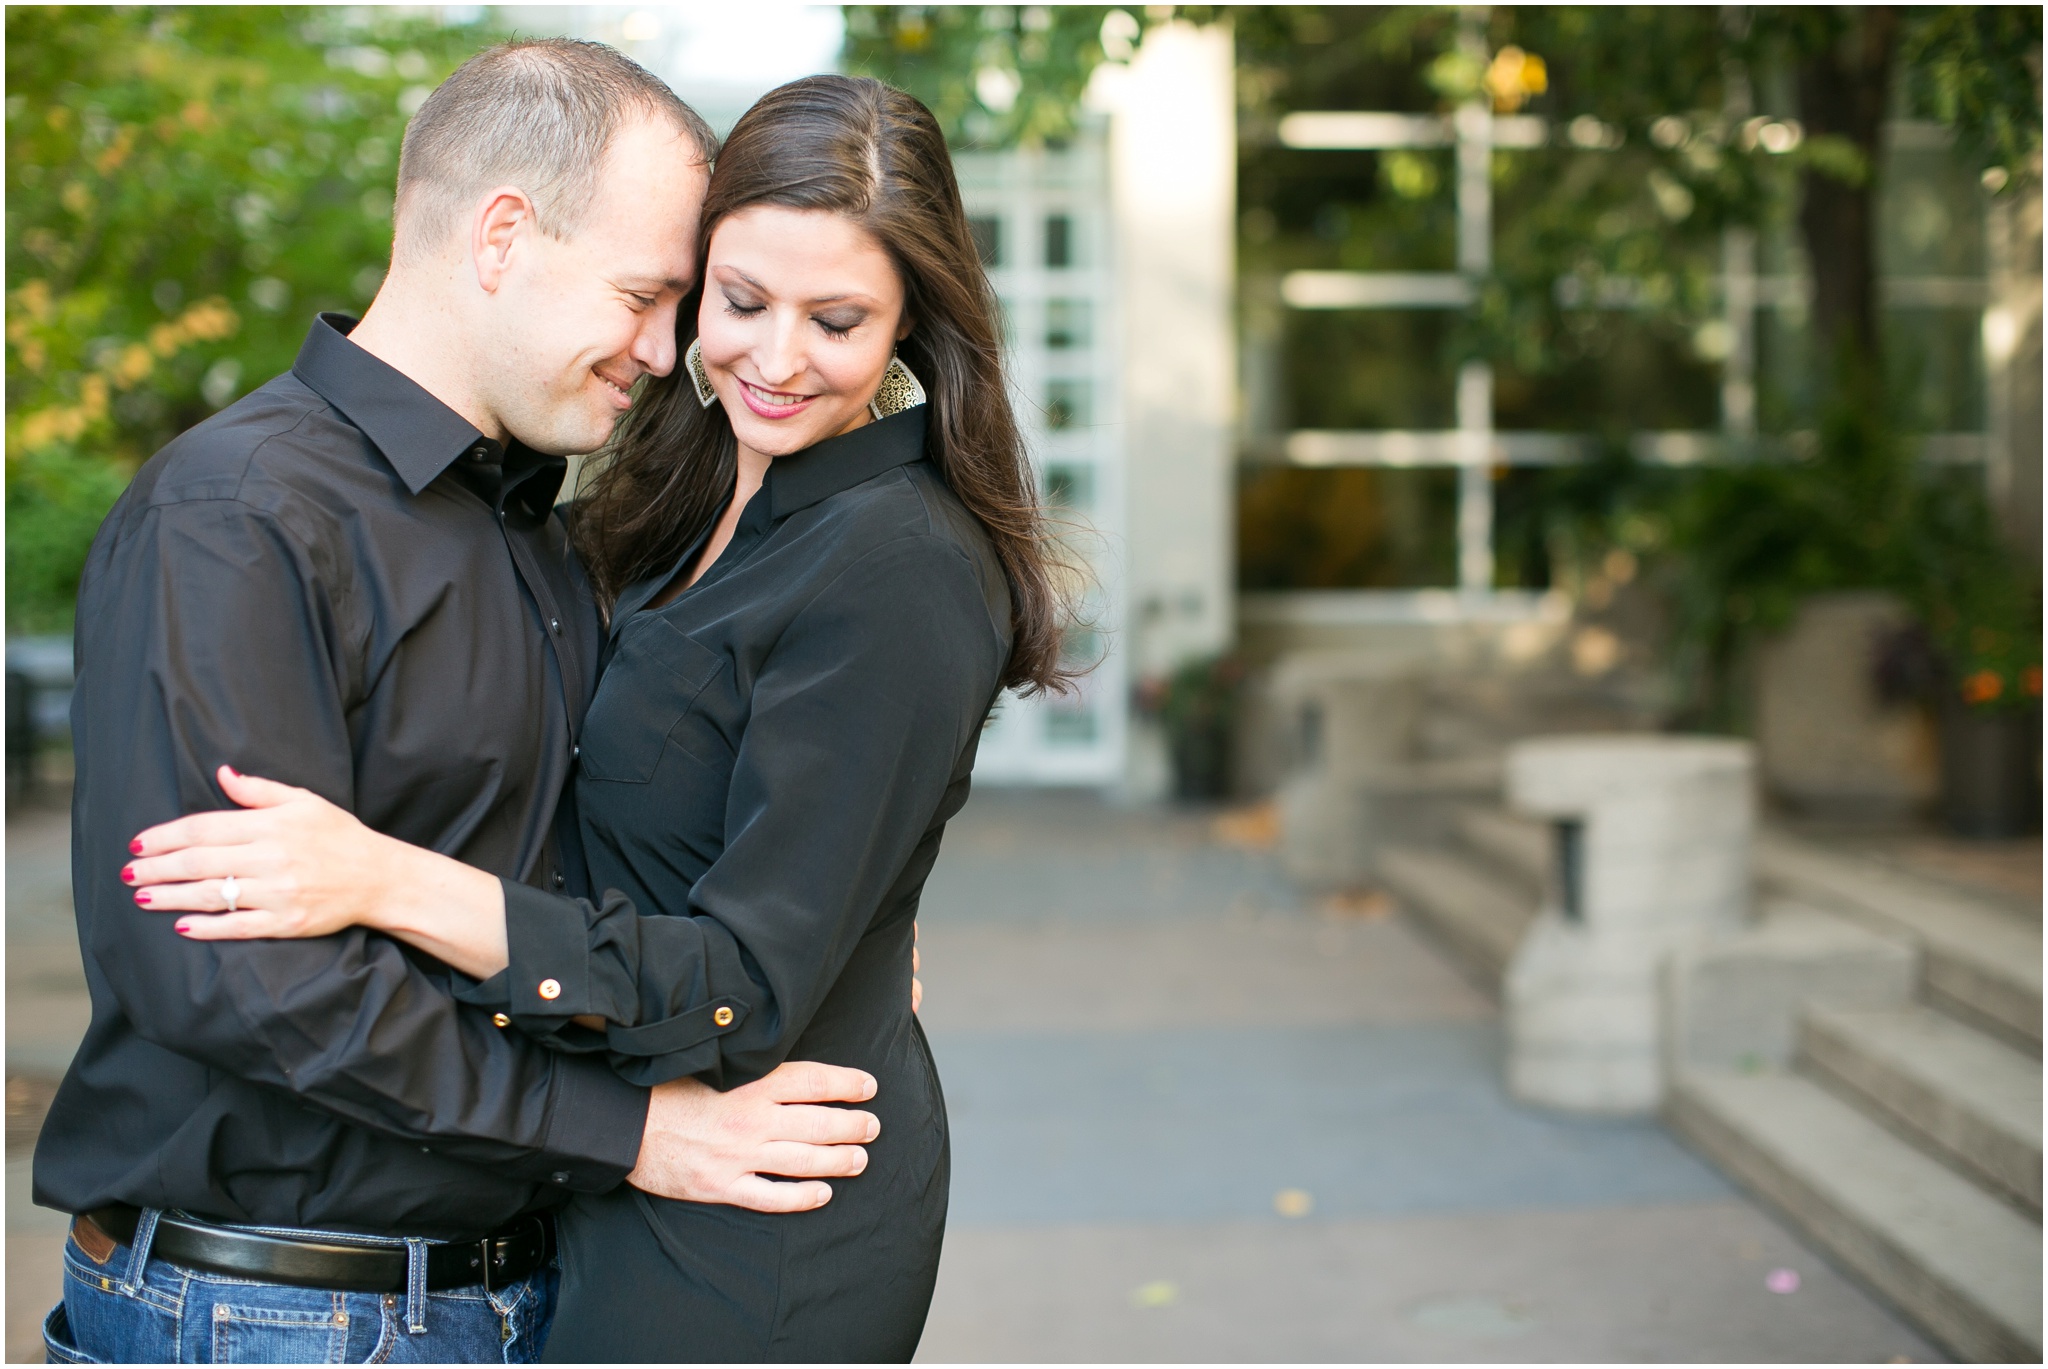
(1962, 1264)
(1964, 1096)
(1979, 962)
(1476, 912)
(1735, 1001)
(1518, 847)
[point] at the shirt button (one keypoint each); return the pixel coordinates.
(723, 1017)
(555, 626)
(551, 989)
(499, 1019)
(576, 752)
(560, 883)
(561, 1176)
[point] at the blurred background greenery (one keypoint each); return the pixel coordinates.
(187, 185)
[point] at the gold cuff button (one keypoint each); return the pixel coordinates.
(723, 1017)
(551, 989)
(499, 1019)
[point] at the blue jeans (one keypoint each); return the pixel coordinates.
(134, 1309)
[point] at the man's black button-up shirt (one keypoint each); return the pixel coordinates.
(338, 583)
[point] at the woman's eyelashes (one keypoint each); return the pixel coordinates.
(838, 325)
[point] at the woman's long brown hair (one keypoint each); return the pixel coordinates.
(851, 146)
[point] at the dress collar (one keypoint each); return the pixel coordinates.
(796, 482)
(804, 478)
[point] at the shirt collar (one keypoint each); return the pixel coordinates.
(817, 473)
(418, 434)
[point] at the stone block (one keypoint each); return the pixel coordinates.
(1734, 1002)
(1582, 1018)
(1666, 825)
(1342, 717)
(1654, 854)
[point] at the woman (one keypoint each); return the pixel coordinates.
(821, 560)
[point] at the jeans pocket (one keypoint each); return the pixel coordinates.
(309, 1334)
(57, 1346)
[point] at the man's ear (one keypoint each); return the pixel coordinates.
(502, 218)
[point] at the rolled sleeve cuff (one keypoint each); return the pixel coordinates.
(547, 938)
(673, 1047)
(594, 1131)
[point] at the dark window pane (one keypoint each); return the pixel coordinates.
(1059, 240)
(1620, 370)
(1069, 486)
(988, 239)
(1934, 365)
(1346, 529)
(1930, 214)
(1936, 361)
(1368, 369)
(1785, 390)
(1351, 211)
(1528, 503)
(1066, 404)
(1066, 323)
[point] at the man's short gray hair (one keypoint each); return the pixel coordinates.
(536, 113)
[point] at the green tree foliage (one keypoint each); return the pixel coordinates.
(1669, 124)
(185, 188)
(995, 75)
(1977, 68)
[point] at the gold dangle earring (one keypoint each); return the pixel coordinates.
(699, 377)
(899, 391)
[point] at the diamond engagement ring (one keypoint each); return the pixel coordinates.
(230, 889)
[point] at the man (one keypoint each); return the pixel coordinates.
(353, 580)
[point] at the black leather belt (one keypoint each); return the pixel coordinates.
(326, 1262)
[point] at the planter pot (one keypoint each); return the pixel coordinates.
(1990, 771)
(1828, 746)
(1201, 758)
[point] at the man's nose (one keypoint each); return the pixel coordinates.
(654, 347)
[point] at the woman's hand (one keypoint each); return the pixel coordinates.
(302, 866)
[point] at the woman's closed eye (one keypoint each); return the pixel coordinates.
(840, 324)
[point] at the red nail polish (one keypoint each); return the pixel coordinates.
(135, 847)
(142, 897)
(184, 929)
(127, 874)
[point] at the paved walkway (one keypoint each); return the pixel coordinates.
(47, 1012)
(1198, 1118)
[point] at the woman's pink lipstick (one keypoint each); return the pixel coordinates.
(773, 411)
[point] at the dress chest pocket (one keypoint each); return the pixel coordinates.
(651, 685)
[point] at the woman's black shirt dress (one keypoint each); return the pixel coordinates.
(765, 773)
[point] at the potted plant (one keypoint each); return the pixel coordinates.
(1197, 706)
